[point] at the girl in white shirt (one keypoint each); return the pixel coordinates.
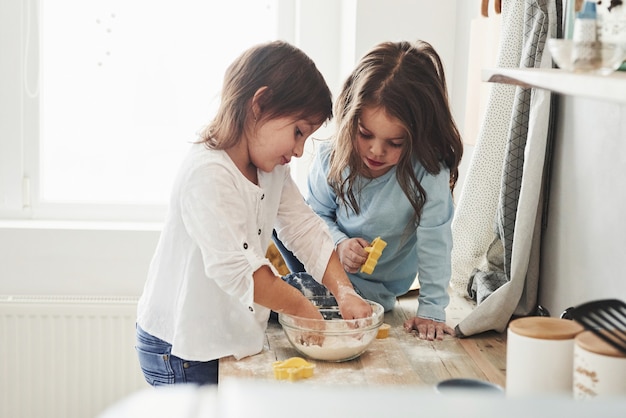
(210, 289)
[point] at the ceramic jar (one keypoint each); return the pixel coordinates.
(539, 356)
(599, 368)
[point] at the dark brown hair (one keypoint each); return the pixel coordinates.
(295, 88)
(407, 80)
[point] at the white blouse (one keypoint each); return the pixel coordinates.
(199, 292)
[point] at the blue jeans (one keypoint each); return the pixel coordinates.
(293, 264)
(160, 367)
(309, 287)
(298, 278)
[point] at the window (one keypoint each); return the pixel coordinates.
(110, 95)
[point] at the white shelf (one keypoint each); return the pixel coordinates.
(610, 87)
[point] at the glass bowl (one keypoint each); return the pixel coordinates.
(332, 338)
(592, 57)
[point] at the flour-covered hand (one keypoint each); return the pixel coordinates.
(427, 329)
(351, 305)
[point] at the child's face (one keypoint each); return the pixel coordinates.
(277, 140)
(380, 141)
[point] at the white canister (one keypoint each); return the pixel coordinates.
(599, 368)
(539, 356)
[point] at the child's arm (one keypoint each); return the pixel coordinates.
(434, 237)
(274, 293)
(350, 303)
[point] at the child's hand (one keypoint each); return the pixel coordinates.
(352, 254)
(352, 306)
(427, 329)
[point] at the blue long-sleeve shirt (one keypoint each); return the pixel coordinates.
(385, 211)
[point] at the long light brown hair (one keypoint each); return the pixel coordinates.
(407, 80)
(295, 87)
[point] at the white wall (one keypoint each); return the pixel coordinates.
(61, 258)
(584, 245)
(112, 259)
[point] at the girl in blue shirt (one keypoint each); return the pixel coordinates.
(389, 171)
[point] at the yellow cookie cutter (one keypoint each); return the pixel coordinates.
(375, 250)
(383, 331)
(292, 369)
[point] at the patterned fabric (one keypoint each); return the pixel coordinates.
(473, 224)
(507, 282)
(483, 284)
(535, 31)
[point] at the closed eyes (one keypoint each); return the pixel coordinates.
(392, 143)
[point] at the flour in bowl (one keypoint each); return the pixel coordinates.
(337, 348)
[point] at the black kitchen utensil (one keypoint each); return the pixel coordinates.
(606, 318)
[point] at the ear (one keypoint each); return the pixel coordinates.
(257, 101)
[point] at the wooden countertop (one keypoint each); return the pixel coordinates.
(400, 359)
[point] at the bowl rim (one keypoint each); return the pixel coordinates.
(287, 320)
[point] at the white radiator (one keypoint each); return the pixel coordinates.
(65, 357)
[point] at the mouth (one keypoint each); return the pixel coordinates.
(284, 161)
(374, 163)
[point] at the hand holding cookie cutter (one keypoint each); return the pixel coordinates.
(375, 250)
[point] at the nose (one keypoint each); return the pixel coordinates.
(298, 149)
(377, 148)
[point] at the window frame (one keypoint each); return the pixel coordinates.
(20, 180)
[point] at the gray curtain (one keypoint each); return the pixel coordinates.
(506, 282)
